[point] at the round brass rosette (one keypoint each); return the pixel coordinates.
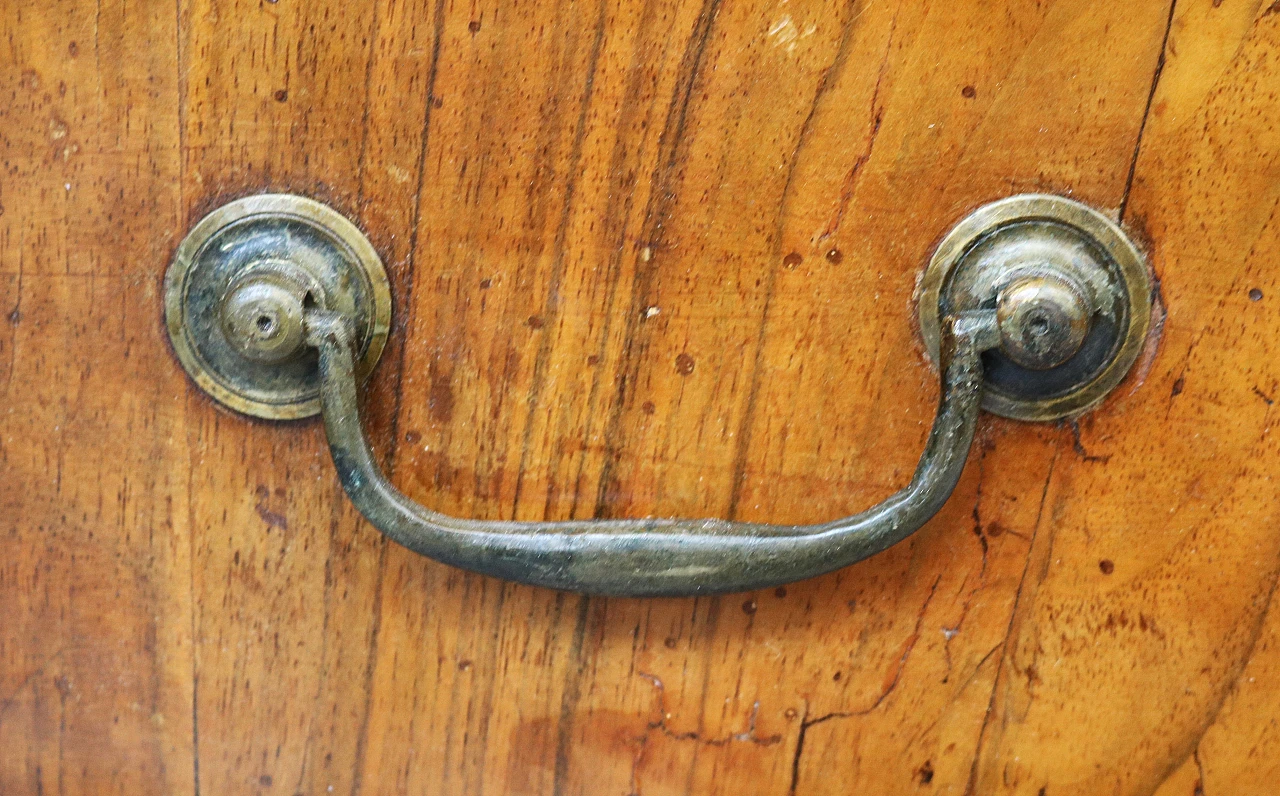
(1053, 268)
(239, 285)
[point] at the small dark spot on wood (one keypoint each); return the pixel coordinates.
(835, 256)
(1107, 566)
(1198, 790)
(1178, 386)
(1042, 792)
(836, 677)
(792, 260)
(265, 780)
(1255, 294)
(535, 322)
(235, 559)
(273, 519)
(485, 284)
(474, 26)
(1217, 3)
(684, 364)
(669, 643)
(412, 437)
(926, 772)
(749, 607)
(780, 592)
(73, 49)
(281, 95)
(969, 92)
(1032, 674)
(648, 407)
(437, 102)
(14, 317)
(440, 400)
(63, 685)
(853, 604)
(464, 665)
(1274, 8)
(1267, 399)
(994, 530)
(593, 360)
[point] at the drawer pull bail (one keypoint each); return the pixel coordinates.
(1034, 307)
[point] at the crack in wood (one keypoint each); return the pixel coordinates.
(806, 723)
(877, 116)
(660, 725)
(1078, 447)
(971, 786)
(1146, 114)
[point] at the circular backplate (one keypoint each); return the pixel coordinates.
(1036, 233)
(271, 230)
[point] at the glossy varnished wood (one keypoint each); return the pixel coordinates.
(648, 258)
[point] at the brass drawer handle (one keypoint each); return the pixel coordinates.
(1050, 291)
(651, 557)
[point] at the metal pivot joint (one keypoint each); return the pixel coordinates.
(1072, 294)
(278, 307)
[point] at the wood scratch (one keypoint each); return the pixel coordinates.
(12, 699)
(849, 188)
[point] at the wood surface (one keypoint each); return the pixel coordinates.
(648, 258)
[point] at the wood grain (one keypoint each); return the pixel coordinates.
(648, 258)
(95, 647)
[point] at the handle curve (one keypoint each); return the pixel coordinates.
(654, 557)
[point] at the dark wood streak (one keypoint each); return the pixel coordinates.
(1146, 114)
(404, 304)
(1009, 634)
(671, 145)
(748, 422)
(616, 217)
(551, 311)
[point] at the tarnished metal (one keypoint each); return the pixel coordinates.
(236, 291)
(278, 306)
(1073, 293)
(654, 557)
(1043, 320)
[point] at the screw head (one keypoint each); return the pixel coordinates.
(1043, 319)
(262, 319)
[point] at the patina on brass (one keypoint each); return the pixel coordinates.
(1072, 293)
(1043, 318)
(655, 557)
(239, 285)
(278, 307)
